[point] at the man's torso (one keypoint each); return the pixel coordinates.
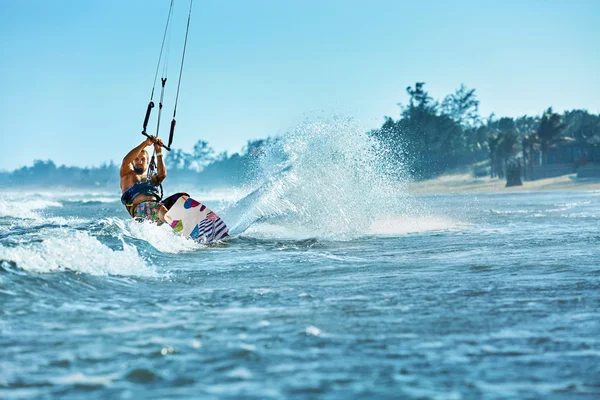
(131, 179)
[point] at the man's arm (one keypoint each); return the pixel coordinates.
(132, 155)
(160, 162)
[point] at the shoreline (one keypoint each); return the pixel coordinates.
(466, 183)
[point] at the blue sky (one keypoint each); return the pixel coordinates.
(76, 75)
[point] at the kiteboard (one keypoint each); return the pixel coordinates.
(192, 219)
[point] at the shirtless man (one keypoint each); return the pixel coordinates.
(140, 192)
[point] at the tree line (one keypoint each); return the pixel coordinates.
(430, 137)
(202, 165)
(435, 137)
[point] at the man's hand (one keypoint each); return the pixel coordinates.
(157, 144)
(150, 140)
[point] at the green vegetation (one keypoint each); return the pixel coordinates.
(434, 138)
(430, 137)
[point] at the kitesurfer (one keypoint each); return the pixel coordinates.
(140, 195)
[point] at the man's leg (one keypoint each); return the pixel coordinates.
(162, 211)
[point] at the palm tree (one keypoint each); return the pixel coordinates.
(529, 144)
(507, 147)
(550, 129)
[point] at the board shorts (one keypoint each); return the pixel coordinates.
(146, 210)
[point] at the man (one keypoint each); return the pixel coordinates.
(140, 192)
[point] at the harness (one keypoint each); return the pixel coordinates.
(139, 188)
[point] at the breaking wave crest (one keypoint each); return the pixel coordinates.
(76, 251)
(25, 209)
(162, 238)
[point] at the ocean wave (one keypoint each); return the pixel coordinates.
(162, 237)
(25, 209)
(413, 224)
(77, 251)
(398, 226)
(92, 200)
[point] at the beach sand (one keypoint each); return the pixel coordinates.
(466, 183)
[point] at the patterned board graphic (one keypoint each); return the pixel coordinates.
(193, 219)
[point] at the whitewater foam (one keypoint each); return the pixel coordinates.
(325, 179)
(161, 237)
(25, 209)
(77, 251)
(413, 224)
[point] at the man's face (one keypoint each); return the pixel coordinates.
(140, 163)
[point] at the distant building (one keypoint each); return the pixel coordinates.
(566, 156)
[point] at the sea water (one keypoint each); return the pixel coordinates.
(336, 283)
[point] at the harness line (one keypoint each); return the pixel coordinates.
(152, 170)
